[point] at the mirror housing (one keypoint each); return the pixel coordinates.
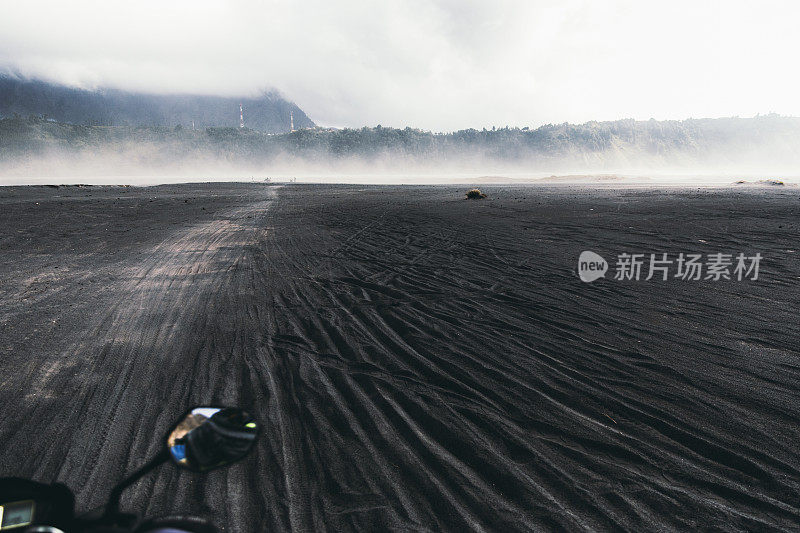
(212, 437)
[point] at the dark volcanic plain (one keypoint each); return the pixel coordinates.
(419, 362)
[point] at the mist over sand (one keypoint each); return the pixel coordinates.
(692, 152)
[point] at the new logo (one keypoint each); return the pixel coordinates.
(591, 266)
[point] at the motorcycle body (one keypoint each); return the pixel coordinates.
(207, 437)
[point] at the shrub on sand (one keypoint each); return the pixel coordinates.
(475, 194)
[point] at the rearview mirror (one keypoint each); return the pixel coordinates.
(211, 437)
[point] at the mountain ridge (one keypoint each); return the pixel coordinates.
(269, 113)
(768, 144)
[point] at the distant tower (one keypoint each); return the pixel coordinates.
(291, 120)
(241, 117)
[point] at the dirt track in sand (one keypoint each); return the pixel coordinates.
(420, 362)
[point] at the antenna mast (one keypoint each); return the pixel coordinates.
(241, 117)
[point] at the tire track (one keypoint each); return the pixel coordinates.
(110, 385)
(409, 379)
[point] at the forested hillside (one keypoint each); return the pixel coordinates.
(763, 140)
(267, 113)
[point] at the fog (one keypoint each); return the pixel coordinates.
(440, 65)
(150, 163)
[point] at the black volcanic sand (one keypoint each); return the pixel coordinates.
(419, 361)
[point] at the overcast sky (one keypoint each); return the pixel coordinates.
(434, 64)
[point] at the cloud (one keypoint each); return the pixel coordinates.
(440, 65)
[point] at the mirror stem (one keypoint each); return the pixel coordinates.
(112, 507)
